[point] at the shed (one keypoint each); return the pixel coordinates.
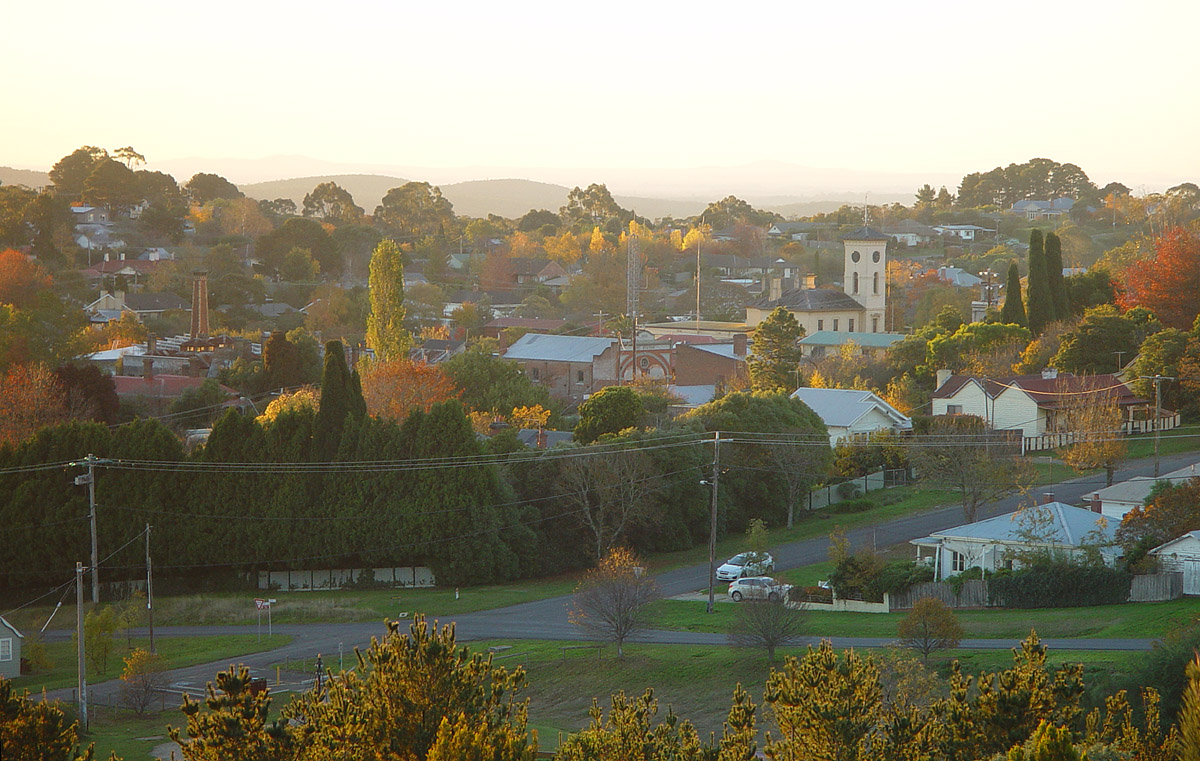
(1182, 555)
(10, 650)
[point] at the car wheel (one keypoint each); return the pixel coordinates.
(773, 597)
(737, 596)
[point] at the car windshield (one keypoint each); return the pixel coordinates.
(737, 560)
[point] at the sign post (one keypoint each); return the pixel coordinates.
(259, 604)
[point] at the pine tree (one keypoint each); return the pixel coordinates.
(1058, 285)
(1013, 311)
(776, 352)
(1039, 302)
(386, 334)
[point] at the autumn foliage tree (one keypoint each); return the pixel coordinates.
(930, 626)
(1170, 511)
(20, 279)
(395, 388)
(1168, 282)
(30, 398)
(611, 601)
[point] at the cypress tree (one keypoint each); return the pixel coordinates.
(1039, 303)
(1058, 286)
(336, 403)
(1013, 311)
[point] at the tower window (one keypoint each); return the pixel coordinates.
(875, 282)
(856, 282)
(850, 325)
(855, 256)
(875, 257)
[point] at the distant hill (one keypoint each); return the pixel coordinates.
(27, 177)
(368, 189)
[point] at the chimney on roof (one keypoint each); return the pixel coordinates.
(942, 377)
(810, 281)
(776, 288)
(1047, 498)
(1095, 503)
(151, 344)
(1050, 373)
(739, 345)
(148, 368)
(199, 305)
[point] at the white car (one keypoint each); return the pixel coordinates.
(758, 588)
(746, 564)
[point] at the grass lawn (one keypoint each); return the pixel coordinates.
(178, 652)
(1133, 620)
(894, 503)
(1185, 438)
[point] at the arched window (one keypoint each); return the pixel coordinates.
(855, 282)
(875, 283)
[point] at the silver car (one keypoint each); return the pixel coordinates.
(746, 564)
(759, 588)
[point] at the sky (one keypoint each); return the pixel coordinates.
(917, 87)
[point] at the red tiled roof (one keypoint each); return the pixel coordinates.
(1050, 393)
(116, 265)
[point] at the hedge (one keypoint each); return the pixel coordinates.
(1059, 585)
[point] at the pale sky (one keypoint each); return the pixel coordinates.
(938, 87)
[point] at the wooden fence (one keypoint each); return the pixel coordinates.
(1168, 421)
(1149, 587)
(973, 594)
(1156, 587)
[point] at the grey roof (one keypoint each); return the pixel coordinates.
(810, 300)
(866, 233)
(694, 396)
(843, 407)
(1064, 525)
(837, 338)
(720, 349)
(154, 302)
(529, 437)
(548, 348)
(1136, 489)
(1193, 535)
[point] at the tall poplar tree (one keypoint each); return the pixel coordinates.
(1054, 273)
(1039, 302)
(386, 334)
(1013, 311)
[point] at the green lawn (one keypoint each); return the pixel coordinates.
(177, 651)
(1134, 620)
(1185, 438)
(131, 737)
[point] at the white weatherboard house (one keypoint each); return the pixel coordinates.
(10, 650)
(847, 412)
(990, 544)
(1182, 555)
(1118, 499)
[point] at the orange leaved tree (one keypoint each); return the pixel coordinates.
(1168, 282)
(394, 389)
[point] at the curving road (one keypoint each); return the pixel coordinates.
(547, 619)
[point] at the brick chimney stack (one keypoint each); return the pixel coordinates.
(776, 288)
(148, 368)
(199, 305)
(739, 344)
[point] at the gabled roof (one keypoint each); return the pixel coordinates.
(838, 338)
(548, 348)
(866, 233)
(842, 407)
(810, 300)
(1056, 523)
(1138, 488)
(1191, 536)
(13, 629)
(720, 349)
(1048, 393)
(154, 302)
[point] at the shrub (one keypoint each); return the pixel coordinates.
(897, 577)
(1059, 585)
(819, 595)
(849, 490)
(854, 506)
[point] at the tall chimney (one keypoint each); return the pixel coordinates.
(199, 305)
(739, 345)
(151, 344)
(148, 368)
(942, 377)
(810, 281)
(776, 288)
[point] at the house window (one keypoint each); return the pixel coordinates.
(835, 322)
(954, 409)
(579, 376)
(820, 324)
(850, 325)
(875, 282)
(6, 649)
(533, 373)
(875, 324)
(958, 561)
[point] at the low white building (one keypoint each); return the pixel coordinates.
(849, 412)
(994, 543)
(1117, 500)
(1182, 555)
(10, 650)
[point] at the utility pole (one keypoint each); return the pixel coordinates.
(90, 480)
(712, 530)
(149, 589)
(82, 686)
(697, 287)
(1158, 379)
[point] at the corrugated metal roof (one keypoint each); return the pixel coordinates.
(843, 407)
(1055, 522)
(835, 338)
(548, 348)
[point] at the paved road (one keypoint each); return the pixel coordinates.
(547, 619)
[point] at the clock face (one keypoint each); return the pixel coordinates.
(875, 257)
(855, 256)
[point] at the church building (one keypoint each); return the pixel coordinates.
(858, 308)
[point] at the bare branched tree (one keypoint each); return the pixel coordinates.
(610, 493)
(766, 624)
(930, 626)
(801, 466)
(611, 601)
(1095, 421)
(959, 453)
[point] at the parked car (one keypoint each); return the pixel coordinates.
(758, 588)
(746, 564)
